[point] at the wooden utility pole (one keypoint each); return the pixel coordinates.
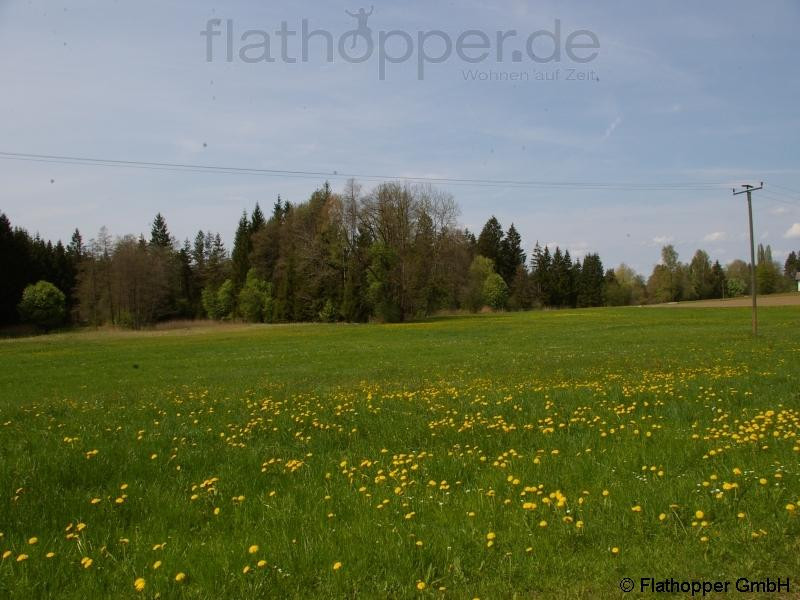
(749, 189)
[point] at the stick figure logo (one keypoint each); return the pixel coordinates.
(363, 30)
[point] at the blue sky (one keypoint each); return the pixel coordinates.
(688, 92)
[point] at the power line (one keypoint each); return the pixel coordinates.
(775, 197)
(199, 168)
(785, 188)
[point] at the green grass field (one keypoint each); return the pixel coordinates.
(544, 454)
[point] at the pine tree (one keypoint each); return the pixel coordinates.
(791, 266)
(511, 255)
(718, 281)
(257, 220)
(159, 234)
(542, 267)
(188, 293)
(217, 263)
(199, 253)
(279, 210)
(75, 247)
(240, 257)
(591, 282)
(490, 240)
(767, 274)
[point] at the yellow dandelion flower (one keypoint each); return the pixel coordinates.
(50, 555)
(156, 565)
(246, 569)
(421, 585)
(636, 508)
(252, 549)
(6, 554)
(139, 584)
(261, 564)
(790, 507)
(22, 558)
(614, 550)
(180, 577)
(542, 524)
(699, 514)
(491, 535)
(337, 565)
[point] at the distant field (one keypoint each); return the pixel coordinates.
(544, 454)
(792, 299)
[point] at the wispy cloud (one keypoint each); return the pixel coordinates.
(716, 236)
(663, 239)
(793, 232)
(612, 126)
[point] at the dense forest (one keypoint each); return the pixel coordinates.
(392, 254)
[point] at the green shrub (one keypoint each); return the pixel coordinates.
(495, 292)
(255, 299)
(43, 305)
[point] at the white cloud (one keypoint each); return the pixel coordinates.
(794, 231)
(717, 236)
(778, 210)
(663, 239)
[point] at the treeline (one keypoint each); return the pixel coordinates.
(392, 254)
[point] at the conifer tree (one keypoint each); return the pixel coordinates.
(490, 240)
(257, 220)
(240, 257)
(511, 255)
(159, 234)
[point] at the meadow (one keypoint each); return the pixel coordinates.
(542, 454)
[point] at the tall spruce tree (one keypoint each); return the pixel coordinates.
(490, 240)
(159, 234)
(257, 220)
(718, 280)
(511, 255)
(591, 282)
(240, 257)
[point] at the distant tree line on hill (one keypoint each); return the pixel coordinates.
(392, 254)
